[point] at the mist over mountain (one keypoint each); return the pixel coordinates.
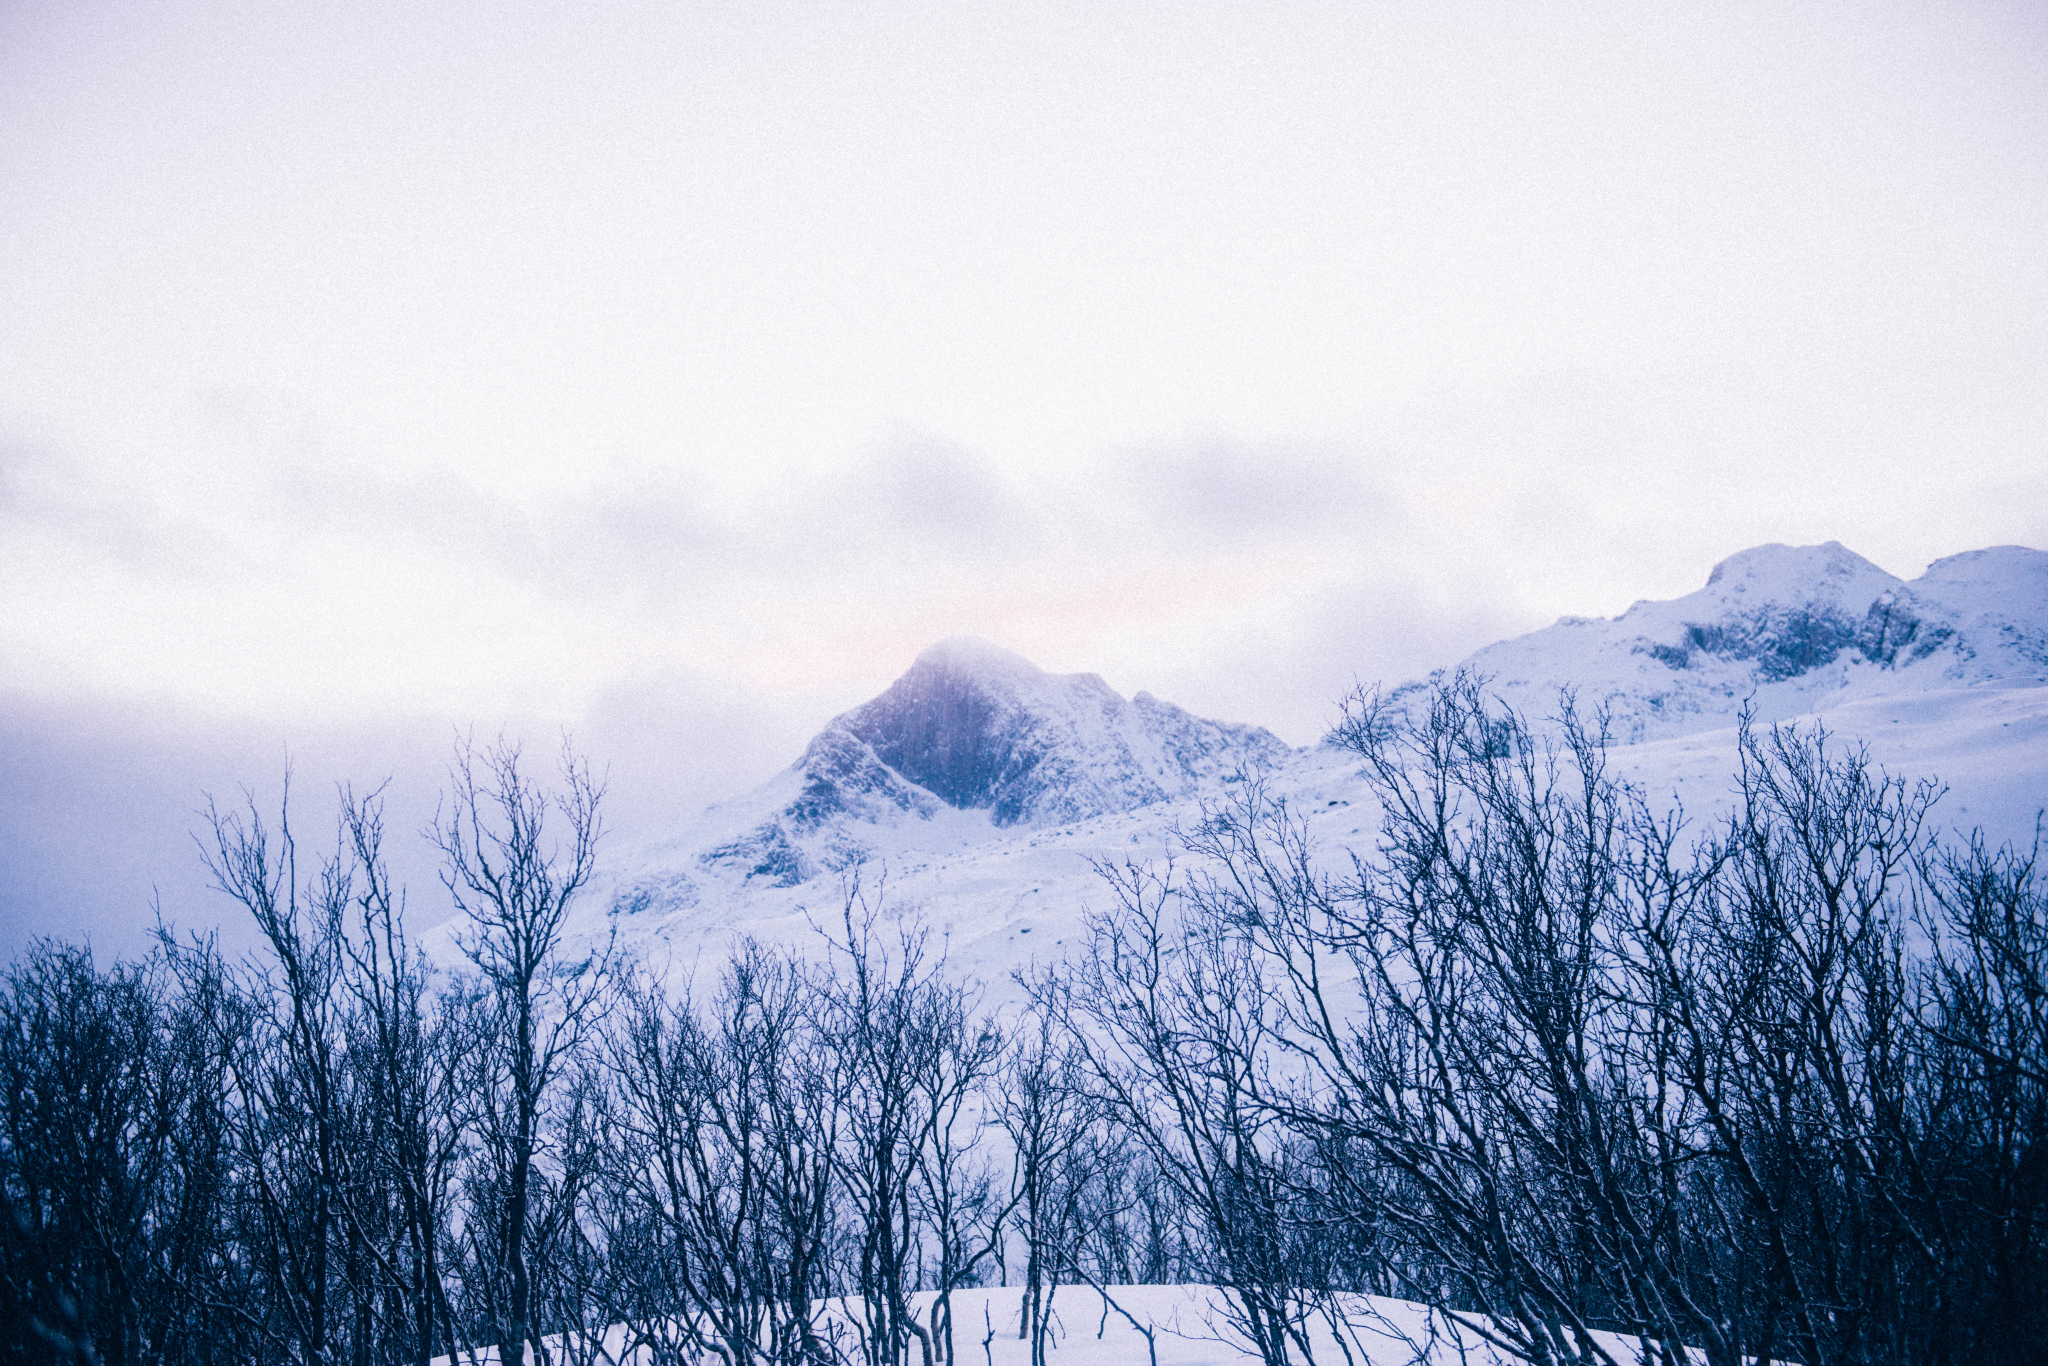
(975, 728)
(985, 791)
(980, 786)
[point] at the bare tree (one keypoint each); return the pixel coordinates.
(515, 856)
(408, 1047)
(115, 1164)
(289, 1075)
(1044, 1110)
(719, 1142)
(1562, 1071)
(878, 1012)
(959, 1201)
(1980, 1183)
(1171, 1017)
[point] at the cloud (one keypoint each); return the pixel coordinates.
(270, 575)
(173, 626)
(1232, 493)
(179, 629)
(104, 794)
(280, 567)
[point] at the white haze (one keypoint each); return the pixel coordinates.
(675, 374)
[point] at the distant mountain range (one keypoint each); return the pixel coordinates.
(1788, 630)
(983, 789)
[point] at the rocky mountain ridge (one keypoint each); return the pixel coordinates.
(975, 728)
(1786, 630)
(986, 791)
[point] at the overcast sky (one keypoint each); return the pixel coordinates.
(677, 372)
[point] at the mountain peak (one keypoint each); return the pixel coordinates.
(976, 727)
(981, 727)
(1793, 570)
(2015, 569)
(1780, 627)
(973, 655)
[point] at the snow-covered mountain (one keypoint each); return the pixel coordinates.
(975, 728)
(1789, 630)
(986, 791)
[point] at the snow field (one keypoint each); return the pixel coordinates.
(1190, 1326)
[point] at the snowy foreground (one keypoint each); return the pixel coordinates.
(1190, 1326)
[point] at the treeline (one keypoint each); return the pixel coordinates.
(1541, 1056)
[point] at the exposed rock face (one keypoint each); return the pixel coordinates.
(976, 728)
(844, 776)
(1985, 612)
(958, 724)
(1786, 610)
(1781, 628)
(983, 729)
(977, 779)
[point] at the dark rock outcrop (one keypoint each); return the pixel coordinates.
(976, 728)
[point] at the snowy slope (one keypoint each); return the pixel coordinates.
(1189, 1325)
(973, 728)
(977, 787)
(984, 791)
(1791, 630)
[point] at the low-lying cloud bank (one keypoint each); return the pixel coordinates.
(177, 623)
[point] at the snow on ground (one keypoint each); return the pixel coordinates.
(998, 900)
(1986, 746)
(1190, 1325)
